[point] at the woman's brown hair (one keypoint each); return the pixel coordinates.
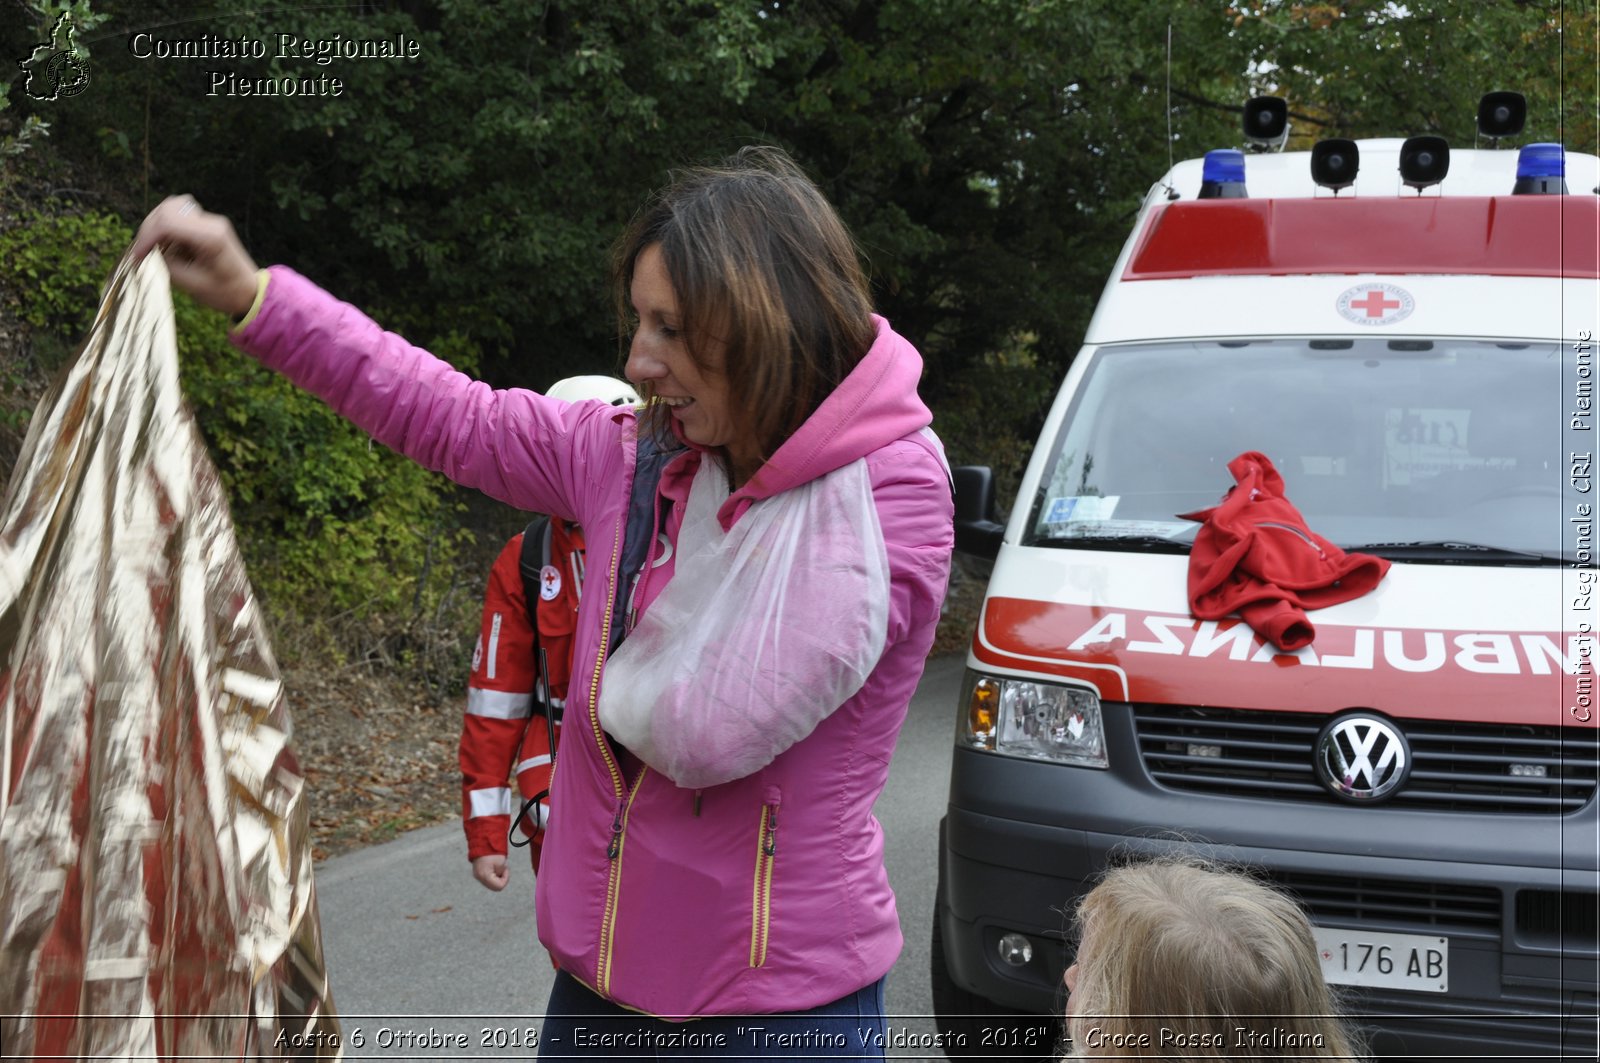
(1180, 959)
(768, 283)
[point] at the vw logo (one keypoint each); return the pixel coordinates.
(1362, 757)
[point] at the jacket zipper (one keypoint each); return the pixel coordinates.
(614, 848)
(552, 784)
(619, 822)
(608, 928)
(1297, 533)
(766, 851)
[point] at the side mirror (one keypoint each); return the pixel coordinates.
(977, 532)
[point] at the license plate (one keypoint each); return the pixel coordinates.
(1394, 961)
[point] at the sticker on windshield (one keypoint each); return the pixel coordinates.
(1419, 443)
(1155, 529)
(1077, 508)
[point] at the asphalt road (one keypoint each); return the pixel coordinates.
(425, 963)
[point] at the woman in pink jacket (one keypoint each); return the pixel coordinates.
(769, 540)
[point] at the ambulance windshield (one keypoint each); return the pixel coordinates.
(1429, 450)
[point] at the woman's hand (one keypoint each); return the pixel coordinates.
(203, 254)
(492, 872)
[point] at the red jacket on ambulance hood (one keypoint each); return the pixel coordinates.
(1254, 554)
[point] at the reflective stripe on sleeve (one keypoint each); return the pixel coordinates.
(555, 703)
(494, 646)
(541, 815)
(533, 762)
(491, 802)
(499, 704)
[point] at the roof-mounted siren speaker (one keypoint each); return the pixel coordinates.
(1266, 123)
(1334, 163)
(1541, 171)
(1424, 161)
(1222, 175)
(1501, 114)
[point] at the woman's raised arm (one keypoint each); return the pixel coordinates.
(534, 453)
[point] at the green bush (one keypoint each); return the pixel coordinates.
(54, 266)
(351, 547)
(51, 270)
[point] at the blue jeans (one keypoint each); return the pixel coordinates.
(579, 1023)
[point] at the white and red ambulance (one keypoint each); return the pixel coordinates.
(1406, 331)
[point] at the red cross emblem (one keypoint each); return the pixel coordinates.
(549, 582)
(1374, 303)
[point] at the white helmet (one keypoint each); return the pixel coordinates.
(605, 388)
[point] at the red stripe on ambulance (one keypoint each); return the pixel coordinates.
(1481, 676)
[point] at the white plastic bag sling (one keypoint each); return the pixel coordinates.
(760, 634)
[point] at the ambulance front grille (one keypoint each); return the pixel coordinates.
(1396, 905)
(1456, 767)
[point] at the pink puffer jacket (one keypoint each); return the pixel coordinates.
(764, 894)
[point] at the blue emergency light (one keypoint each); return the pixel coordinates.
(1541, 170)
(1222, 175)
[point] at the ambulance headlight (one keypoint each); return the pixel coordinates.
(1040, 721)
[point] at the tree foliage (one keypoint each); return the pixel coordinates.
(1370, 68)
(986, 152)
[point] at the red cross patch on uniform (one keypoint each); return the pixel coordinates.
(549, 583)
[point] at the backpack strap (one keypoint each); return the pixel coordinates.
(651, 458)
(535, 555)
(537, 538)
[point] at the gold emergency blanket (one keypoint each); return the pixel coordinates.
(156, 896)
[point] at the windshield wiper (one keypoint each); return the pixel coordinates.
(1149, 544)
(1451, 550)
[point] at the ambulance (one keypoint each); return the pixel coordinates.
(1405, 329)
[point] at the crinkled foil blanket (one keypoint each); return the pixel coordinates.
(156, 897)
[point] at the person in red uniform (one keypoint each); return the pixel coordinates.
(505, 731)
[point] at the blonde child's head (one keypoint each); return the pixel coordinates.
(1180, 959)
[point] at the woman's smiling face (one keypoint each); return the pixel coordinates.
(659, 356)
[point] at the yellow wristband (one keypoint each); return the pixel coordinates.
(262, 276)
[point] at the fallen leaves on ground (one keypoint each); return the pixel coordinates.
(379, 758)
